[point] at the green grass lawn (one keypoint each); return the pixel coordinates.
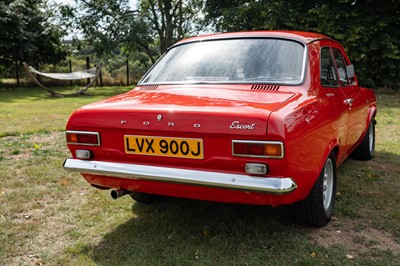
(53, 217)
(31, 110)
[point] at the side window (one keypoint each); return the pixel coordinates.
(328, 73)
(341, 67)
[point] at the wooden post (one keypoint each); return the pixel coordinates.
(37, 68)
(16, 72)
(101, 79)
(97, 80)
(70, 71)
(127, 72)
(87, 67)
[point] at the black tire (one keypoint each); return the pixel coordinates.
(366, 149)
(317, 209)
(141, 197)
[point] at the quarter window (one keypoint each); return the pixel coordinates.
(328, 73)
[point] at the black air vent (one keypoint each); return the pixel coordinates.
(148, 88)
(262, 87)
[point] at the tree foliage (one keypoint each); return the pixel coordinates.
(370, 33)
(27, 33)
(369, 30)
(111, 25)
(171, 20)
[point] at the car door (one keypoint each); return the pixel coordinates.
(333, 98)
(357, 108)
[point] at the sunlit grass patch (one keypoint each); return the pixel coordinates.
(29, 110)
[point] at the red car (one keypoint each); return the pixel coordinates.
(261, 117)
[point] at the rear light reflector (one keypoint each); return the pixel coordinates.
(83, 154)
(261, 149)
(256, 169)
(83, 138)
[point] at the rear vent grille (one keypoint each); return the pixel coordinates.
(261, 87)
(148, 88)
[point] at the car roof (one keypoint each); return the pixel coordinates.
(302, 36)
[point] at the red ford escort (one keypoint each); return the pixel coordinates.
(262, 117)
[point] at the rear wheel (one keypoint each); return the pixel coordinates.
(143, 197)
(317, 209)
(366, 149)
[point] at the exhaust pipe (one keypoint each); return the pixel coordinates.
(115, 194)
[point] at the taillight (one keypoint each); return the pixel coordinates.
(263, 149)
(83, 138)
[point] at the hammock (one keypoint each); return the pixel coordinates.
(91, 73)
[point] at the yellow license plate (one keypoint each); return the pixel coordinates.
(164, 146)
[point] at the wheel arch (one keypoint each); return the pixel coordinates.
(332, 147)
(370, 118)
(371, 115)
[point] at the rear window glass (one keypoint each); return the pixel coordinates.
(231, 61)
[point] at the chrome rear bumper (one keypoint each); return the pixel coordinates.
(273, 185)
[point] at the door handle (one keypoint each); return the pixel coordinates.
(348, 101)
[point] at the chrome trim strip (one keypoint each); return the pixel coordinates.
(258, 142)
(84, 132)
(303, 70)
(273, 185)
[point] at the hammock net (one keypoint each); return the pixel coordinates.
(83, 74)
(91, 73)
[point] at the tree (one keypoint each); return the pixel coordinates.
(172, 20)
(369, 31)
(27, 34)
(239, 15)
(111, 25)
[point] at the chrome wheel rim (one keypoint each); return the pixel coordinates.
(328, 184)
(371, 139)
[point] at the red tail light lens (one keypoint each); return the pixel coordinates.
(83, 138)
(263, 149)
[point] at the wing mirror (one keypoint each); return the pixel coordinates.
(350, 71)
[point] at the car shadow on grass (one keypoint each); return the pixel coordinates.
(180, 231)
(176, 231)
